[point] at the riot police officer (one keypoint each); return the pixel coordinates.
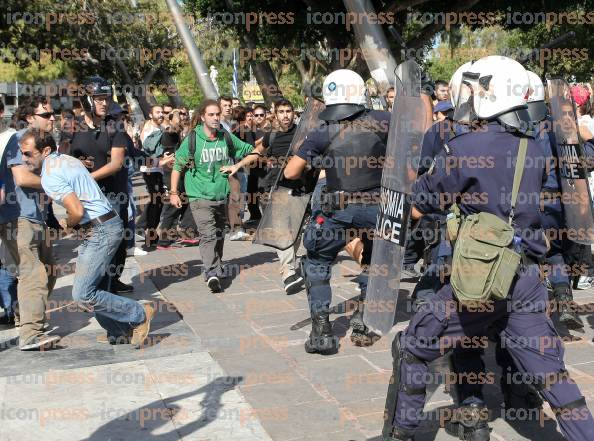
(349, 145)
(500, 86)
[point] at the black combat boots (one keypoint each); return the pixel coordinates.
(321, 339)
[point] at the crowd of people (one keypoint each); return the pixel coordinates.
(209, 174)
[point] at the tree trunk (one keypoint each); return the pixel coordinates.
(263, 73)
(145, 106)
(175, 100)
(306, 78)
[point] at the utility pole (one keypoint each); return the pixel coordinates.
(194, 55)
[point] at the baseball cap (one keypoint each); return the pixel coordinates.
(443, 106)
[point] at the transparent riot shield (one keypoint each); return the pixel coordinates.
(408, 125)
(576, 179)
(286, 207)
(464, 107)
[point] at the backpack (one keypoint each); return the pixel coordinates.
(191, 164)
(152, 144)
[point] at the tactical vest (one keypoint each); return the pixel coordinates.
(354, 159)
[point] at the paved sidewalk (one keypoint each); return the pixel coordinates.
(300, 396)
(227, 366)
(170, 390)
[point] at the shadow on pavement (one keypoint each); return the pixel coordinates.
(147, 419)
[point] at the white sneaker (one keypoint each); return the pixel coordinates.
(585, 282)
(239, 235)
(136, 252)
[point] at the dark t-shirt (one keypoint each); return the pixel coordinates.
(170, 141)
(97, 143)
(281, 142)
(277, 149)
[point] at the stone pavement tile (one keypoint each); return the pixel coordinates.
(342, 435)
(253, 362)
(288, 423)
(185, 396)
(347, 379)
(579, 352)
(381, 359)
(209, 401)
(236, 335)
(278, 389)
(368, 413)
(263, 321)
(284, 332)
(248, 304)
(91, 402)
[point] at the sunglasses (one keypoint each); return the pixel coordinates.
(259, 115)
(183, 113)
(567, 113)
(45, 115)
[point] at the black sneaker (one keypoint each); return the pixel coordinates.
(119, 287)
(7, 320)
(40, 343)
(409, 273)
(293, 284)
(214, 284)
(148, 248)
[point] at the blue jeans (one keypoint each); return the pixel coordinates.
(323, 241)
(118, 315)
(131, 241)
(8, 291)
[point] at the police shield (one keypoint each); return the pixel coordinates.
(408, 125)
(286, 207)
(576, 180)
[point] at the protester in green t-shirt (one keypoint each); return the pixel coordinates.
(207, 184)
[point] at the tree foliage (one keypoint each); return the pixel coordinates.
(136, 42)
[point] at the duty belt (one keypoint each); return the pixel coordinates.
(339, 200)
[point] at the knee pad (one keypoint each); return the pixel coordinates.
(403, 379)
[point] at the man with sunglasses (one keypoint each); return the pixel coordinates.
(260, 121)
(101, 146)
(23, 230)
(259, 125)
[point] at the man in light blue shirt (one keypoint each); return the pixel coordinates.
(23, 230)
(68, 182)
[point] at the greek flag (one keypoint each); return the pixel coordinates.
(235, 82)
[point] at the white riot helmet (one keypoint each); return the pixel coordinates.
(461, 90)
(456, 80)
(501, 90)
(345, 94)
(537, 109)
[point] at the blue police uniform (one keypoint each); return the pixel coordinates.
(334, 223)
(464, 361)
(478, 172)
